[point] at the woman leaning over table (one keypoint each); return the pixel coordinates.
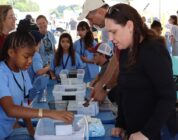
(146, 88)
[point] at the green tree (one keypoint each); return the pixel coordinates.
(22, 5)
(3, 2)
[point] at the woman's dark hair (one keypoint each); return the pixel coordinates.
(88, 39)
(18, 39)
(59, 52)
(174, 18)
(120, 14)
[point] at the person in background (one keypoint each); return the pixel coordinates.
(37, 68)
(156, 27)
(83, 47)
(16, 57)
(102, 54)
(95, 13)
(47, 46)
(174, 34)
(65, 56)
(146, 88)
(73, 25)
(7, 22)
(33, 25)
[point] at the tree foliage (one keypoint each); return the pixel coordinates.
(61, 8)
(22, 5)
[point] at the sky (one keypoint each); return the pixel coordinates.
(153, 8)
(47, 4)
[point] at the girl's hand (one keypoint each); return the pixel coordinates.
(65, 116)
(138, 136)
(118, 132)
(84, 59)
(91, 49)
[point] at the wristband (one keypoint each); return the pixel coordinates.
(40, 113)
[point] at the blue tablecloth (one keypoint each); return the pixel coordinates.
(107, 136)
(107, 117)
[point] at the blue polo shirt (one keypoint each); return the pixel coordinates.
(37, 64)
(8, 87)
(67, 64)
(91, 70)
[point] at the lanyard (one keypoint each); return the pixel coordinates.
(82, 49)
(64, 65)
(22, 89)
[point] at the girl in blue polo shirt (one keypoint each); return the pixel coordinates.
(65, 56)
(15, 58)
(83, 46)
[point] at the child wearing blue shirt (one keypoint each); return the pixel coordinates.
(37, 68)
(65, 56)
(83, 46)
(16, 57)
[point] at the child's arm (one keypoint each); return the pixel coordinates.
(29, 125)
(43, 70)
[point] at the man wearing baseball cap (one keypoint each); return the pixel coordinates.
(95, 12)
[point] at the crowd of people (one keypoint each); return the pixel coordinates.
(135, 61)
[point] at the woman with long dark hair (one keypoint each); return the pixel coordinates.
(146, 88)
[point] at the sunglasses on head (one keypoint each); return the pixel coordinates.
(111, 10)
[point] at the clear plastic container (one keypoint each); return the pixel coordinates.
(66, 78)
(79, 91)
(45, 130)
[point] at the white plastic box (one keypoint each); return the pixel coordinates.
(66, 80)
(61, 91)
(45, 130)
(92, 109)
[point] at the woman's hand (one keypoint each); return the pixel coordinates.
(65, 116)
(118, 132)
(138, 136)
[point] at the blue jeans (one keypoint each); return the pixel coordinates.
(19, 134)
(166, 135)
